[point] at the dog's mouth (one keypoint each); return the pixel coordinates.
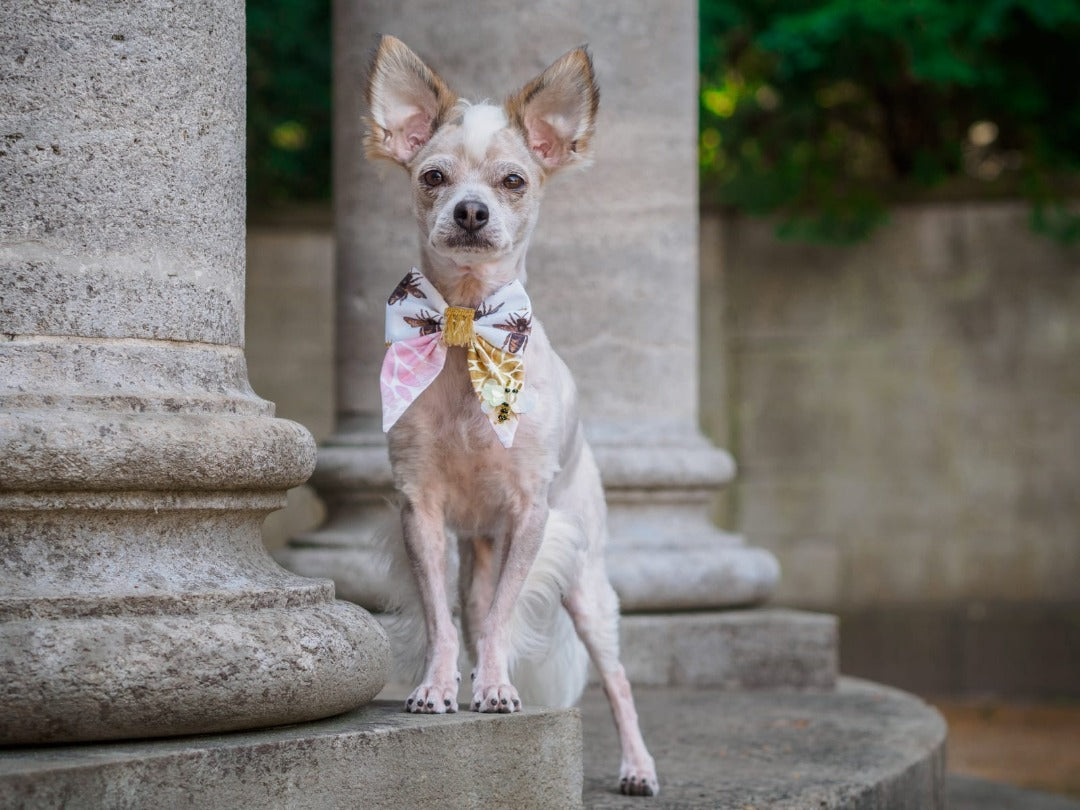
(468, 241)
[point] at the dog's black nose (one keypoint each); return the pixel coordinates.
(471, 215)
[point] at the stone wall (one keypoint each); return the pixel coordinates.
(904, 412)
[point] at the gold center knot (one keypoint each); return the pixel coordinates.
(458, 326)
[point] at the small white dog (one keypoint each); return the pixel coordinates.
(485, 440)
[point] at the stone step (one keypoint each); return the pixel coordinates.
(756, 648)
(860, 745)
(374, 757)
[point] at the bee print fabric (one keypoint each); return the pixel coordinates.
(419, 329)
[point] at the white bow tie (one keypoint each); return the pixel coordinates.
(419, 329)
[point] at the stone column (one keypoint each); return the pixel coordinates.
(136, 463)
(612, 272)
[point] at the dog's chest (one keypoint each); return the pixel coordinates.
(445, 453)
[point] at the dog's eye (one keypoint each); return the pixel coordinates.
(432, 178)
(514, 182)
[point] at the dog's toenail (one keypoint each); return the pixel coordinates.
(431, 704)
(446, 702)
(409, 702)
(503, 701)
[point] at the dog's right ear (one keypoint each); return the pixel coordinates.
(556, 111)
(407, 102)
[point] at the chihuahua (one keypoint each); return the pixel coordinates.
(486, 445)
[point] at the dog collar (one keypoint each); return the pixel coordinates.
(419, 329)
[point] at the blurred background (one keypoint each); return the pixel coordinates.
(890, 327)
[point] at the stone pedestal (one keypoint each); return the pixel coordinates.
(613, 275)
(136, 463)
(376, 758)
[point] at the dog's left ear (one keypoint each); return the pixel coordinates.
(556, 111)
(407, 102)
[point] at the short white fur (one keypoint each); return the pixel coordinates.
(479, 123)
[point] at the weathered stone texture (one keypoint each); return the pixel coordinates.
(136, 463)
(761, 648)
(377, 757)
(858, 747)
(119, 141)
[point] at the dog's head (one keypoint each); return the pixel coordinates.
(478, 170)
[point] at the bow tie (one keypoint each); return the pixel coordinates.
(419, 328)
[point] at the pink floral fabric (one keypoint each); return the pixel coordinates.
(409, 367)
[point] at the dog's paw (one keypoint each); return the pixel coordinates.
(638, 778)
(432, 698)
(501, 698)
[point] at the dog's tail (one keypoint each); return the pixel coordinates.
(549, 664)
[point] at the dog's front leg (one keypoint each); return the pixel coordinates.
(492, 691)
(425, 542)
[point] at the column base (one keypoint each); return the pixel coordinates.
(88, 679)
(665, 553)
(158, 614)
(691, 578)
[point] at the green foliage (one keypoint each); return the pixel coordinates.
(288, 130)
(824, 112)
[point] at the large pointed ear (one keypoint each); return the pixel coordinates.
(556, 111)
(407, 102)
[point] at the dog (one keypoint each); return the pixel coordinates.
(486, 445)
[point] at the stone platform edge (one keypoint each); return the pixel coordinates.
(375, 757)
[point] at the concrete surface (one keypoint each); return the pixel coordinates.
(376, 757)
(904, 410)
(859, 746)
(757, 648)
